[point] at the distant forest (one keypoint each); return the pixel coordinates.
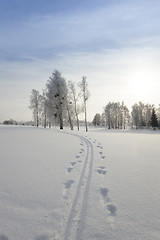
(117, 116)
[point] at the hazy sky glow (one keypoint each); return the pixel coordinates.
(116, 44)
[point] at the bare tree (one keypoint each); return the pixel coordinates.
(69, 116)
(43, 107)
(35, 105)
(74, 99)
(85, 93)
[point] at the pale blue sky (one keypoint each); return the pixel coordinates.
(116, 44)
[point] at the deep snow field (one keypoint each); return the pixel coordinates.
(69, 185)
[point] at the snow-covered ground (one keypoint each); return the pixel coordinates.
(66, 185)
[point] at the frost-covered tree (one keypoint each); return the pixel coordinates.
(117, 115)
(103, 119)
(108, 114)
(125, 116)
(137, 115)
(97, 120)
(73, 98)
(70, 112)
(85, 94)
(43, 107)
(56, 98)
(35, 105)
(158, 115)
(141, 115)
(147, 113)
(154, 121)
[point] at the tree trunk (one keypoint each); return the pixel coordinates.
(76, 114)
(77, 121)
(69, 118)
(37, 120)
(60, 117)
(85, 112)
(60, 121)
(45, 121)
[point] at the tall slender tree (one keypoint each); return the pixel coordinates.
(35, 105)
(85, 93)
(74, 100)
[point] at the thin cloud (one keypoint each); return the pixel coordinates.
(113, 27)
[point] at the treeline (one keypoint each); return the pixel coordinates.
(117, 116)
(14, 122)
(60, 103)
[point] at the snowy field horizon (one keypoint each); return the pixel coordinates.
(73, 185)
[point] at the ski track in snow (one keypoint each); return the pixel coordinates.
(73, 219)
(76, 219)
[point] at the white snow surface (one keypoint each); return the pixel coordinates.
(70, 185)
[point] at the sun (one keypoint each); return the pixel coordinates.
(141, 84)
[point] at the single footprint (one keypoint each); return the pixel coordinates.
(81, 150)
(77, 156)
(101, 170)
(99, 146)
(68, 184)
(73, 163)
(69, 169)
(104, 194)
(103, 157)
(111, 209)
